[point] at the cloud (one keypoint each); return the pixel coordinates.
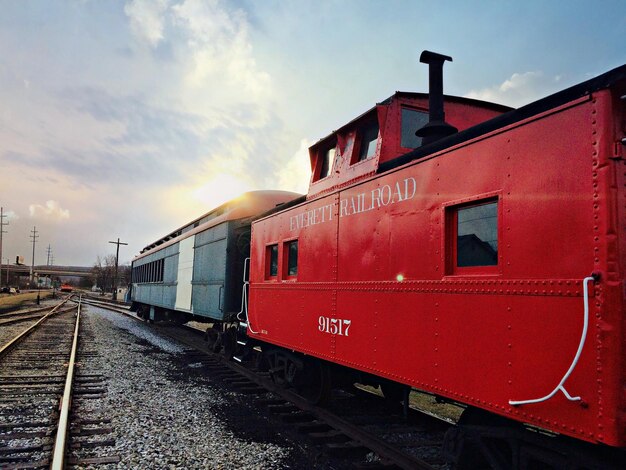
(51, 211)
(519, 89)
(295, 174)
(10, 215)
(219, 52)
(182, 121)
(147, 19)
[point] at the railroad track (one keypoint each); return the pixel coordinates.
(89, 299)
(23, 316)
(358, 426)
(38, 383)
(9, 329)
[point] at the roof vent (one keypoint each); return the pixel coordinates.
(437, 127)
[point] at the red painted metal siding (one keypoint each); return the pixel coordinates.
(483, 338)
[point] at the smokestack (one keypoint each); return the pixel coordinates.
(437, 127)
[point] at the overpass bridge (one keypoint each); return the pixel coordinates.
(43, 270)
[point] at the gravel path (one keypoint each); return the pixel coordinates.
(166, 413)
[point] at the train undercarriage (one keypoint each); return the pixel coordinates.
(480, 439)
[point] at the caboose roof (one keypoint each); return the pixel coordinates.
(537, 107)
(414, 95)
(384, 120)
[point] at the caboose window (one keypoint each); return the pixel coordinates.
(328, 158)
(292, 258)
(369, 138)
(272, 260)
(477, 235)
(412, 120)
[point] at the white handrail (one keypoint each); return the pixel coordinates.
(244, 296)
(583, 336)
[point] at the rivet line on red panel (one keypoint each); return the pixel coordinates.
(596, 216)
(427, 287)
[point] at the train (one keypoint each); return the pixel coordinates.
(195, 273)
(462, 248)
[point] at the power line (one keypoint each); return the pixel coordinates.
(117, 254)
(2, 224)
(34, 238)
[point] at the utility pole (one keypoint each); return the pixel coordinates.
(117, 255)
(2, 224)
(49, 253)
(8, 266)
(34, 238)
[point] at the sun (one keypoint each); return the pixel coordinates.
(220, 189)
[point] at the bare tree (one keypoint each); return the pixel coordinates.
(102, 272)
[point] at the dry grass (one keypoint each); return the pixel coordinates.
(12, 302)
(425, 402)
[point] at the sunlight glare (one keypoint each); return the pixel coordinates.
(220, 189)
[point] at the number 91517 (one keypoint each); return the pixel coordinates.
(334, 326)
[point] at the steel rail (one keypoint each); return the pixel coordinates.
(58, 457)
(8, 346)
(105, 304)
(20, 319)
(385, 450)
(14, 313)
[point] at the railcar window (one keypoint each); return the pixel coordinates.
(292, 258)
(149, 272)
(272, 260)
(369, 138)
(412, 120)
(328, 158)
(477, 235)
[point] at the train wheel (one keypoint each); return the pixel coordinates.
(310, 378)
(213, 339)
(273, 362)
(229, 342)
(482, 440)
(142, 312)
(313, 382)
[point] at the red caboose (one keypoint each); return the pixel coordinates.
(485, 266)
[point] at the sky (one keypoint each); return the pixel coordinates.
(129, 118)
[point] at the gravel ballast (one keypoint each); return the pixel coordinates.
(166, 413)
